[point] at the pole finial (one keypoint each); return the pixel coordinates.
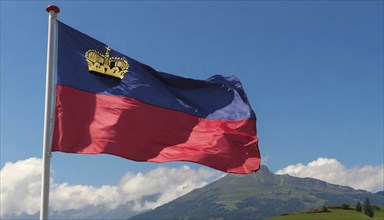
(53, 8)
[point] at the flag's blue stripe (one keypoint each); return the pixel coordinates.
(219, 98)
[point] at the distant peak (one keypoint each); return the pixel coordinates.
(264, 169)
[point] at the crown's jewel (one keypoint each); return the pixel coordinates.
(102, 63)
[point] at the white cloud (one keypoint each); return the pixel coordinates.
(366, 177)
(170, 183)
(265, 159)
(21, 186)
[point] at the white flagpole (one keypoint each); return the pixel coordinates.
(50, 96)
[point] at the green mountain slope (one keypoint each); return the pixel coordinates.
(333, 214)
(257, 196)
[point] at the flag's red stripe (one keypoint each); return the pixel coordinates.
(93, 123)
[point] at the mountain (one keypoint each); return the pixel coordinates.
(380, 193)
(257, 196)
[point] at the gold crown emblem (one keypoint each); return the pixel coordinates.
(102, 63)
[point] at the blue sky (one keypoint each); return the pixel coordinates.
(312, 70)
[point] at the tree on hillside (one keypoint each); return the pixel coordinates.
(345, 206)
(368, 209)
(324, 209)
(358, 207)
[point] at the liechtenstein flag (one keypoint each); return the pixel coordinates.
(107, 102)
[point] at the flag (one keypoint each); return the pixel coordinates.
(107, 102)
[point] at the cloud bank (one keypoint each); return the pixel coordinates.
(21, 186)
(370, 178)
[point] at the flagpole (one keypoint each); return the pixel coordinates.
(49, 109)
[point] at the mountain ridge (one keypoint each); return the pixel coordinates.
(257, 196)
